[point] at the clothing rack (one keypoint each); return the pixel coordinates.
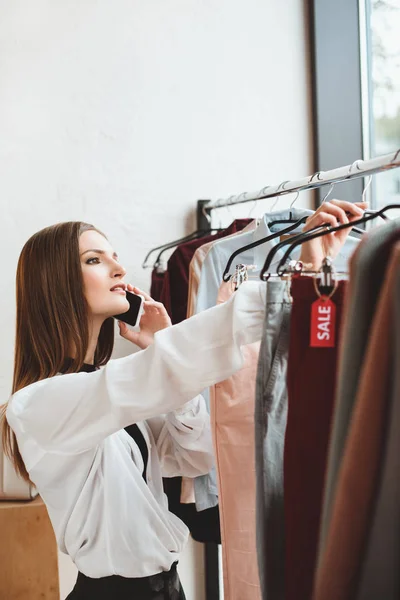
(360, 168)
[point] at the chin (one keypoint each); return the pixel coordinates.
(120, 307)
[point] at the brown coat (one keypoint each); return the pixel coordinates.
(339, 565)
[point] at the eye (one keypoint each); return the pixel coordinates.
(88, 262)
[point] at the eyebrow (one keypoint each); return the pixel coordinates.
(98, 251)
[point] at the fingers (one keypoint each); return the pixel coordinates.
(153, 308)
(320, 218)
(136, 290)
(362, 205)
(126, 333)
(336, 212)
(150, 305)
(354, 210)
(122, 327)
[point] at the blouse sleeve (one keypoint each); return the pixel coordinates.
(74, 412)
(183, 440)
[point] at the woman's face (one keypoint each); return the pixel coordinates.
(102, 274)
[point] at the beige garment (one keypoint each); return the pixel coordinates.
(232, 424)
(187, 489)
(339, 565)
(196, 265)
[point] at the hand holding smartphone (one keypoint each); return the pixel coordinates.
(133, 315)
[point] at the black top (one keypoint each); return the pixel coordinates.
(133, 429)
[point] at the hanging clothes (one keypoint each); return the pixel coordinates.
(270, 424)
(204, 527)
(187, 493)
(348, 567)
(214, 264)
(270, 427)
(371, 257)
(379, 575)
(157, 284)
(175, 293)
(311, 388)
(196, 265)
(232, 426)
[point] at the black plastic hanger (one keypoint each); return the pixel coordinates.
(200, 233)
(294, 225)
(187, 238)
(315, 233)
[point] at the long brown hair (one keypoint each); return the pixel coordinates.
(52, 313)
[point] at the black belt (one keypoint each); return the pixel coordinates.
(115, 586)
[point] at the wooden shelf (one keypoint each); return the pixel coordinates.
(28, 552)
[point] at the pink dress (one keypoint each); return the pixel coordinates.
(232, 425)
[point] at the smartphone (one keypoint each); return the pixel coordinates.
(132, 316)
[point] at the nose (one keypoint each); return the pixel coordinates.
(118, 270)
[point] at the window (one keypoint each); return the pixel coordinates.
(356, 82)
(382, 124)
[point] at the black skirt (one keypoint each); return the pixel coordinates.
(162, 586)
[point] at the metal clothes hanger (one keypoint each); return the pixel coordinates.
(167, 245)
(319, 232)
(293, 225)
(187, 238)
(300, 236)
(200, 233)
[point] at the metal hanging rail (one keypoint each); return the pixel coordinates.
(360, 168)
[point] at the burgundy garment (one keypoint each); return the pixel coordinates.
(157, 282)
(311, 392)
(176, 281)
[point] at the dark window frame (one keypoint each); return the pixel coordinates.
(337, 91)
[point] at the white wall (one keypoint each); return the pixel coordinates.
(124, 113)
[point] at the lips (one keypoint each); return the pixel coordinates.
(119, 287)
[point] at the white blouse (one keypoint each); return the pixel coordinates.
(88, 470)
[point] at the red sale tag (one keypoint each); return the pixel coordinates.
(323, 321)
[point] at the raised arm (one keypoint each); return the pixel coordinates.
(74, 412)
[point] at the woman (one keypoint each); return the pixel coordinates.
(65, 422)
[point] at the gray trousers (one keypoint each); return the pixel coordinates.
(270, 424)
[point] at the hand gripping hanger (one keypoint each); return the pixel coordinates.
(293, 239)
(294, 224)
(315, 233)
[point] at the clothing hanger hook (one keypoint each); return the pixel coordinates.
(356, 163)
(262, 192)
(280, 187)
(329, 192)
(252, 208)
(274, 204)
(396, 155)
(295, 200)
(366, 188)
(206, 215)
(317, 175)
(227, 204)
